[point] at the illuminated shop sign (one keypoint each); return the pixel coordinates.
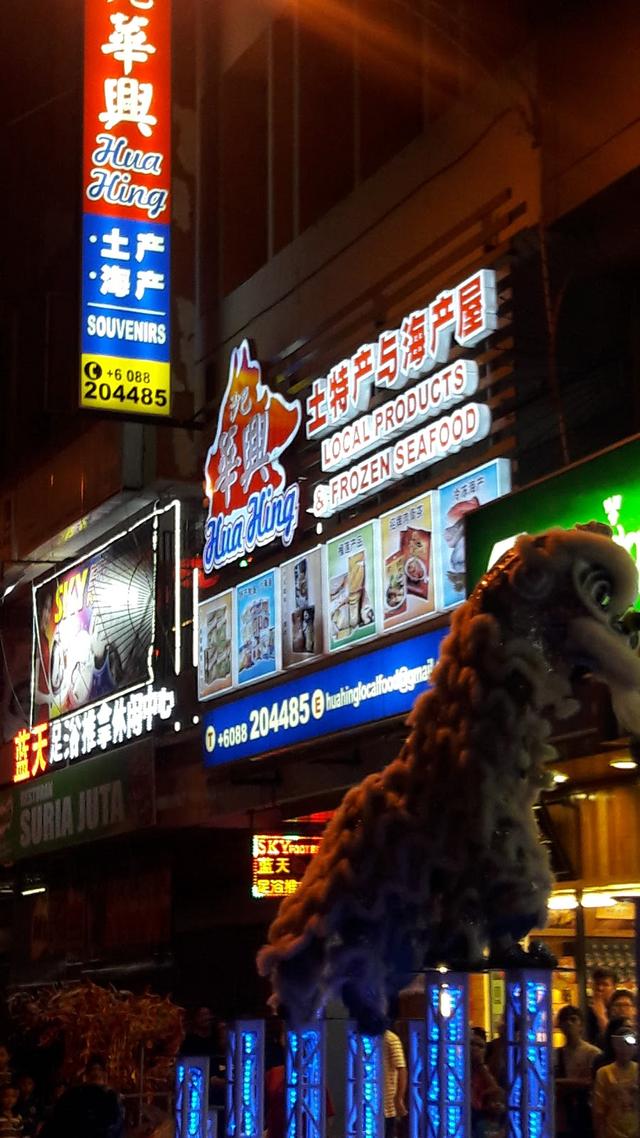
(250, 502)
(99, 728)
(379, 577)
(338, 406)
(355, 692)
(603, 489)
(93, 625)
(279, 862)
(126, 207)
(112, 795)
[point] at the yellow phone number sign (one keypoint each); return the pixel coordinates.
(133, 387)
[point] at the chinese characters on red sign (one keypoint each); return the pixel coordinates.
(466, 313)
(250, 503)
(279, 863)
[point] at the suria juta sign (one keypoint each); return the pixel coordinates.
(126, 207)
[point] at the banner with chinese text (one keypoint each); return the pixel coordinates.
(125, 341)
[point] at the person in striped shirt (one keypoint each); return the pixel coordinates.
(395, 1083)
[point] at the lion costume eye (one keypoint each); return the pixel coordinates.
(597, 586)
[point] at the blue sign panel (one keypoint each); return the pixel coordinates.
(126, 288)
(352, 693)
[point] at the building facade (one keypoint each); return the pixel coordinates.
(403, 252)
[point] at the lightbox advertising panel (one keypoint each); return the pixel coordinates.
(353, 693)
(456, 501)
(94, 626)
(126, 354)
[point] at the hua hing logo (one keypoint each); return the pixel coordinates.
(250, 503)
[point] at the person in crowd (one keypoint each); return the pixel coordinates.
(199, 1039)
(615, 1095)
(218, 1066)
(487, 1099)
(622, 1005)
(273, 1043)
(91, 1110)
(6, 1069)
(496, 1056)
(395, 1083)
(573, 1070)
(28, 1105)
(603, 985)
(10, 1121)
(30, 1052)
(58, 1089)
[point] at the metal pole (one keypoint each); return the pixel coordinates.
(305, 1082)
(448, 1099)
(417, 1078)
(365, 1097)
(192, 1097)
(245, 1079)
(529, 1038)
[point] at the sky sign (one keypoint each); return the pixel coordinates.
(125, 342)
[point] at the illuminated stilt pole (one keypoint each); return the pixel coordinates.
(417, 1094)
(305, 1080)
(365, 1090)
(192, 1097)
(448, 1109)
(529, 1032)
(245, 1079)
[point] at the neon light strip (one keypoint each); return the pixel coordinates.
(196, 620)
(176, 587)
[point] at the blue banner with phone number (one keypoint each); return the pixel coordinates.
(353, 693)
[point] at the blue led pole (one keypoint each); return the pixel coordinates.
(305, 1082)
(192, 1097)
(245, 1079)
(448, 1099)
(417, 1074)
(529, 1036)
(365, 1090)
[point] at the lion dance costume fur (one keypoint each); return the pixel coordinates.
(438, 858)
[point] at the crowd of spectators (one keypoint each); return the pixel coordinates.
(46, 1107)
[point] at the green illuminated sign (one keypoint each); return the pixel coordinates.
(603, 489)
